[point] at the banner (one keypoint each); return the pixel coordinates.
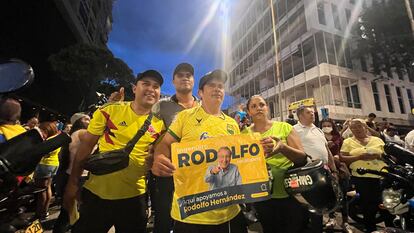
(218, 172)
(305, 102)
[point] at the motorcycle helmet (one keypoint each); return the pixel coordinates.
(314, 186)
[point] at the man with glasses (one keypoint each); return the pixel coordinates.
(162, 187)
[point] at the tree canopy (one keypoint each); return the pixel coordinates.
(88, 67)
(384, 32)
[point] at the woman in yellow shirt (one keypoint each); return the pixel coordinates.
(45, 171)
(282, 213)
(363, 151)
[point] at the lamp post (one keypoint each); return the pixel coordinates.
(279, 83)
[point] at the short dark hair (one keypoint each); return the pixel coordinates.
(372, 115)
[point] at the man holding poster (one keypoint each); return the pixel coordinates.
(193, 125)
(223, 174)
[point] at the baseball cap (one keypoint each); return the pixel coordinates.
(150, 73)
(184, 67)
(215, 74)
(77, 116)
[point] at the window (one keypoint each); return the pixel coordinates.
(339, 51)
(400, 100)
(376, 96)
(281, 8)
(410, 98)
(348, 15)
(335, 14)
(287, 68)
(364, 66)
(320, 47)
(389, 98)
(352, 1)
(321, 13)
(352, 95)
(309, 56)
(330, 48)
(297, 62)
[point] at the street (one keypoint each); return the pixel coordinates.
(254, 228)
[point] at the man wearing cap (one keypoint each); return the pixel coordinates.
(166, 109)
(117, 199)
(195, 124)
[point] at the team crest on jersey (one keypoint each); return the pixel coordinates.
(230, 129)
(108, 128)
(204, 135)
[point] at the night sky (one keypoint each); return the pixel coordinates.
(159, 34)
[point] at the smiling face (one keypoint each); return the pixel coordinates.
(257, 108)
(224, 158)
(147, 92)
(183, 82)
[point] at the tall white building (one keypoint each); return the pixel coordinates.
(316, 60)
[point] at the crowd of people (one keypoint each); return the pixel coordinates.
(120, 199)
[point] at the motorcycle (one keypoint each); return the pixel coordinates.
(398, 184)
(20, 155)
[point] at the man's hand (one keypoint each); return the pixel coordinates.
(71, 193)
(215, 170)
(162, 166)
(117, 95)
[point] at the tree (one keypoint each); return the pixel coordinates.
(87, 66)
(384, 32)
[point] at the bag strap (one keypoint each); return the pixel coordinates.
(130, 145)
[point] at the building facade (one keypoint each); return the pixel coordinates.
(316, 59)
(90, 21)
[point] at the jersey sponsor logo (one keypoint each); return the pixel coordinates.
(122, 123)
(204, 135)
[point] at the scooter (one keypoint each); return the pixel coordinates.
(20, 155)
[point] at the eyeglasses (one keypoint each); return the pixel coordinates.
(183, 74)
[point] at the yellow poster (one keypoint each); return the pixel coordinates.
(305, 102)
(217, 172)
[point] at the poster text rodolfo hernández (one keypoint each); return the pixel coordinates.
(219, 172)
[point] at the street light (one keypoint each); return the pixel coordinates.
(277, 60)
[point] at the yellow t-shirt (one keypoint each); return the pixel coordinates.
(278, 163)
(11, 131)
(193, 125)
(116, 124)
(51, 159)
(353, 147)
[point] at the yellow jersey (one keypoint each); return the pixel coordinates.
(116, 124)
(192, 125)
(51, 159)
(11, 131)
(353, 147)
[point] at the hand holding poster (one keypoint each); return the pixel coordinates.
(219, 172)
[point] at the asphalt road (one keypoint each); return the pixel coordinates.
(255, 228)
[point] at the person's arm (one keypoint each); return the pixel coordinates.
(210, 176)
(331, 161)
(293, 150)
(88, 142)
(162, 165)
(347, 158)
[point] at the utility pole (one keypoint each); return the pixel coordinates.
(410, 15)
(279, 83)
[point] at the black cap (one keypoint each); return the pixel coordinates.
(184, 67)
(215, 74)
(150, 73)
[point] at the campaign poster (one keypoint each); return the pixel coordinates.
(218, 172)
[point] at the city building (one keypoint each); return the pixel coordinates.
(90, 21)
(317, 59)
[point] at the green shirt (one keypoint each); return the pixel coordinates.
(278, 163)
